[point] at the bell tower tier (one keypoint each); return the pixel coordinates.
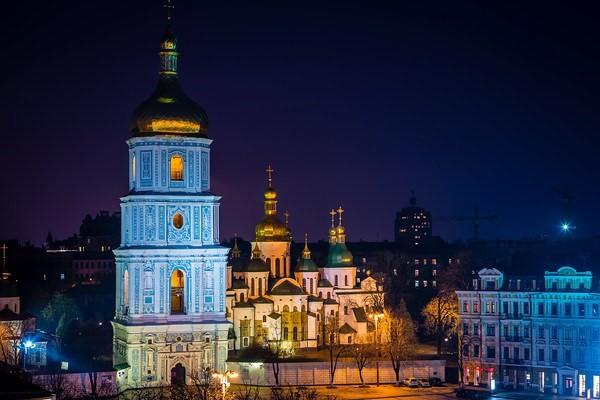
(170, 318)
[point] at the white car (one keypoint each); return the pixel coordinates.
(424, 383)
(411, 382)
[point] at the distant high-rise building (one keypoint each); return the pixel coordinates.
(413, 224)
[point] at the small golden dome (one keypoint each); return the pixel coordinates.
(271, 229)
(270, 194)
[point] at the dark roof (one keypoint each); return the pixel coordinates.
(243, 304)
(306, 265)
(286, 288)
(315, 298)
(330, 301)
(9, 315)
(347, 329)
(324, 283)
(360, 314)
(261, 300)
(274, 315)
(239, 284)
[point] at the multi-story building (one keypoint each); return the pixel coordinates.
(533, 334)
(412, 225)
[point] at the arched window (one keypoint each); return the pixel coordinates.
(295, 333)
(126, 289)
(345, 280)
(328, 295)
(286, 308)
(176, 168)
(336, 281)
(277, 267)
(177, 292)
(311, 285)
(303, 309)
(295, 309)
(349, 339)
(285, 266)
(241, 297)
(252, 287)
(268, 261)
(285, 333)
(260, 286)
(304, 283)
(133, 168)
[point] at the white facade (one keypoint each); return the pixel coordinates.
(541, 335)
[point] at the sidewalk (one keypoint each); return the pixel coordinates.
(532, 396)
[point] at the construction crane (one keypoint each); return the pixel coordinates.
(475, 219)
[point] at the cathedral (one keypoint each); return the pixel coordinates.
(170, 320)
(303, 307)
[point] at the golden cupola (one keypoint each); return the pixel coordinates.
(271, 229)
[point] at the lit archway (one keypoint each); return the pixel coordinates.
(177, 292)
(176, 168)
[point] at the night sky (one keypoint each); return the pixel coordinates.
(353, 103)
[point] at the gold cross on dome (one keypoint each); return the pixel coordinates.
(340, 210)
(269, 171)
(286, 214)
(332, 213)
(4, 248)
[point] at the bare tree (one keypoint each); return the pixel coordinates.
(275, 353)
(12, 333)
(334, 350)
(363, 351)
(204, 386)
(441, 316)
(400, 338)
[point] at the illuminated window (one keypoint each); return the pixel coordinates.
(176, 168)
(178, 221)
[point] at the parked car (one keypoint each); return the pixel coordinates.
(411, 382)
(424, 383)
(435, 381)
(473, 392)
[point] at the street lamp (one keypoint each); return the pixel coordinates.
(377, 317)
(26, 346)
(224, 380)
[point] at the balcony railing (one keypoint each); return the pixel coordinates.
(511, 315)
(517, 361)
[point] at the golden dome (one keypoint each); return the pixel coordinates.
(270, 194)
(271, 229)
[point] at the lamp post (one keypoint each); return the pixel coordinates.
(224, 380)
(376, 317)
(26, 346)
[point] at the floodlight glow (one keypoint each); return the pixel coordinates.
(565, 227)
(29, 344)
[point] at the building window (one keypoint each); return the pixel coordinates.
(177, 220)
(345, 310)
(526, 354)
(540, 332)
(554, 333)
(133, 167)
(264, 318)
(580, 356)
(554, 309)
(595, 310)
(581, 333)
(285, 333)
(506, 352)
(476, 350)
(541, 355)
(526, 308)
(581, 309)
(465, 328)
(176, 168)
(416, 284)
(568, 355)
(416, 273)
(335, 281)
(424, 283)
(568, 334)
(345, 280)
(476, 329)
(434, 283)
(491, 330)
(476, 307)
(491, 352)
(554, 355)
(434, 262)
(245, 341)
(568, 309)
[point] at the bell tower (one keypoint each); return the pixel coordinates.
(170, 269)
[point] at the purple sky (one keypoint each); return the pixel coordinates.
(352, 103)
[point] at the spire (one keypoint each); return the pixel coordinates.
(235, 252)
(270, 194)
(168, 46)
(332, 231)
(256, 252)
(5, 273)
(340, 230)
(306, 251)
(286, 214)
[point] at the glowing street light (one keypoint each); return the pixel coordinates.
(224, 380)
(28, 344)
(377, 317)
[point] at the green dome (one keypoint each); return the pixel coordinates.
(339, 256)
(257, 265)
(306, 265)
